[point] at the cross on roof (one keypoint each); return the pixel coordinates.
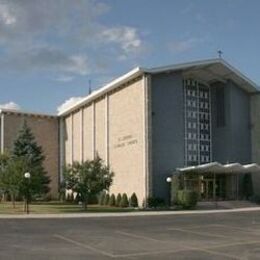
(220, 52)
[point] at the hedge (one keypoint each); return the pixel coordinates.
(155, 202)
(124, 201)
(187, 199)
(112, 200)
(118, 200)
(107, 197)
(133, 201)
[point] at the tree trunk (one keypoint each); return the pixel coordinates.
(13, 200)
(4, 197)
(25, 205)
(85, 203)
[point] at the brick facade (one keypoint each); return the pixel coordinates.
(45, 130)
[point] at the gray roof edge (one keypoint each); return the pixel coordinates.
(186, 65)
(141, 70)
(108, 87)
(13, 111)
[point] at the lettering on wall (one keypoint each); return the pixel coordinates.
(124, 141)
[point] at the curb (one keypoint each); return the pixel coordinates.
(126, 214)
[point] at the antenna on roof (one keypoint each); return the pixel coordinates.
(89, 87)
(220, 52)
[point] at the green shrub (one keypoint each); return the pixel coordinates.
(187, 199)
(93, 199)
(118, 200)
(107, 197)
(112, 200)
(156, 202)
(102, 196)
(124, 201)
(133, 201)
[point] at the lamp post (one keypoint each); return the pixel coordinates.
(27, 177)
(169, 180)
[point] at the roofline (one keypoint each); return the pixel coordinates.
(182, 66)
(139, 71)
(110, 86)
(13, 111)
(240, 74)
(203, 62)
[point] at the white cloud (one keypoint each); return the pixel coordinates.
(126, 37)
(56, 35)
(78, 64)
(46, 58)
(181, 46)
(6, 15)
(10, 105)
(69, 103)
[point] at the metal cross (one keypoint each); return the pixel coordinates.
(220, 52)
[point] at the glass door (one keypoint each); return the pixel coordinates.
(207, 189)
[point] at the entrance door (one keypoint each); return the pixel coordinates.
(221, 187)
(207, 189)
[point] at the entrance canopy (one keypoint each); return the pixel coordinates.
(218, 168)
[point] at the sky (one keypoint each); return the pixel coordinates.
(50, 50)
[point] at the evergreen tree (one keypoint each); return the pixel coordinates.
(112, 200)
(107, 198)
(118, 200)
(124, 201)
(4, 159)
(133, 201)
(26, 148)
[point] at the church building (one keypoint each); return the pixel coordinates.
(197, 118)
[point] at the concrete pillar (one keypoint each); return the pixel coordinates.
(61, 148)
(93, 130)
(107, 129)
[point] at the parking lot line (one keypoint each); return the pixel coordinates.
(183, 248)
(238, 228)
(79, 244)
(149, 253)
(238, 243)
(139, 236)
(197, 233)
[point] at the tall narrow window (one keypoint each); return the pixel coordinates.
(220, 105)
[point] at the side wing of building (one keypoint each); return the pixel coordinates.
(114, 127)
(255, 138)
(45, 130)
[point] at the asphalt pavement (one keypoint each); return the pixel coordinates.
(233, 235)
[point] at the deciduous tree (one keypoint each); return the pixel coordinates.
(88, 178)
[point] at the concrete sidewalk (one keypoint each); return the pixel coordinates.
(125, 214)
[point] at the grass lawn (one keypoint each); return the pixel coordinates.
(56, 207)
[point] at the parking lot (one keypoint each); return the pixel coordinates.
(200, 236)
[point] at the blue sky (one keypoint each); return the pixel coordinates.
(49, 50)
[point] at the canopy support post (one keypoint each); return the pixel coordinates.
(237, 183)
(214, 188)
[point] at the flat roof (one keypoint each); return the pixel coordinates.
(13, 111)
(210, 70)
